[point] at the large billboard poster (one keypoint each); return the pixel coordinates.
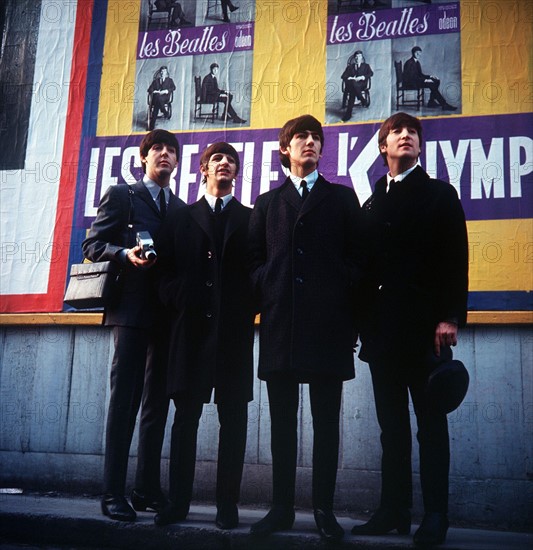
(107, 71)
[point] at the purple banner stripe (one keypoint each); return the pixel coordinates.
(489, 160)
(394, 23)
(195, 41)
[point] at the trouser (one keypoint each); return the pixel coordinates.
(233, 419)
(225, 5)
(325, 397)
(435, 95)
(159, 104)
(355, 90)
(138, 372)
(226, 99)
(393, 381)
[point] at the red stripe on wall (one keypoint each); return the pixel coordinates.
(52, 301)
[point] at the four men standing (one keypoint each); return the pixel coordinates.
(311, 261)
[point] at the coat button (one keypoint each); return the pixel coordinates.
(209, 283)
(209, 315)
(300, 223)
(209, 254)
(299, 251)
(299, 280)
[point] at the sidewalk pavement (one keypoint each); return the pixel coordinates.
(76, 522)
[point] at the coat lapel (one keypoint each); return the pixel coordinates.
(200, 214)
(235, 219)
(172, 199)
(321, 189)
(289, 194)
(142, 193)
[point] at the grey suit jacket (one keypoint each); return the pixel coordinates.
(134, 302)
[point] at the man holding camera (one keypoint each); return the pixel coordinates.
(139, 326)
(205, 284)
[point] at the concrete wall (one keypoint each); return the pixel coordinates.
(54, 391)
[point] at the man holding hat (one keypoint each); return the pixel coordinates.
(413, 302)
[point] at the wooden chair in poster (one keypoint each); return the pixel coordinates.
(212, 5)
(365, 92)
(401, 99)
(156, 15)
(199, 113)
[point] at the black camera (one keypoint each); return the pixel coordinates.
(146, 244)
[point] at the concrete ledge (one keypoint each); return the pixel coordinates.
(45, 519)
(89, 318)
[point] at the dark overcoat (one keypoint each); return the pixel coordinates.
(305, 265)
(123, 211)
(418, 267)
(210, 302)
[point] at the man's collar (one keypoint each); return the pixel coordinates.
(211, 200)
(310, 179)
(401, 176)
(153, 188)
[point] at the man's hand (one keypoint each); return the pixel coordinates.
(134, 257)
(445, 335)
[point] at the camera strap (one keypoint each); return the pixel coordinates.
(131, 192)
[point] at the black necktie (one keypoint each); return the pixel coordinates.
(218, 205)
(305, 191)
(162, 203)
(392, 186)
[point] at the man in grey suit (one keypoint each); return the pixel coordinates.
(139, 327)
(303, 239)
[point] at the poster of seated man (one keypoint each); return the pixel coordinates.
(160, 96)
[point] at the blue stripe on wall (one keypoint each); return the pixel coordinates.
(500, 301)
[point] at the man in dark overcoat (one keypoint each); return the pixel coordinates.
(205, 283)
(304, 262)
(413, 302)
(139, 327)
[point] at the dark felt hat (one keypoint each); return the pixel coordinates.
(448, 382)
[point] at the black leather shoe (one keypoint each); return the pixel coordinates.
(278, 519)
(144, 502)
(170, 514)
(432, 530)
(117, 507)
(385, 520)
(328, 526)
(227, 516)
